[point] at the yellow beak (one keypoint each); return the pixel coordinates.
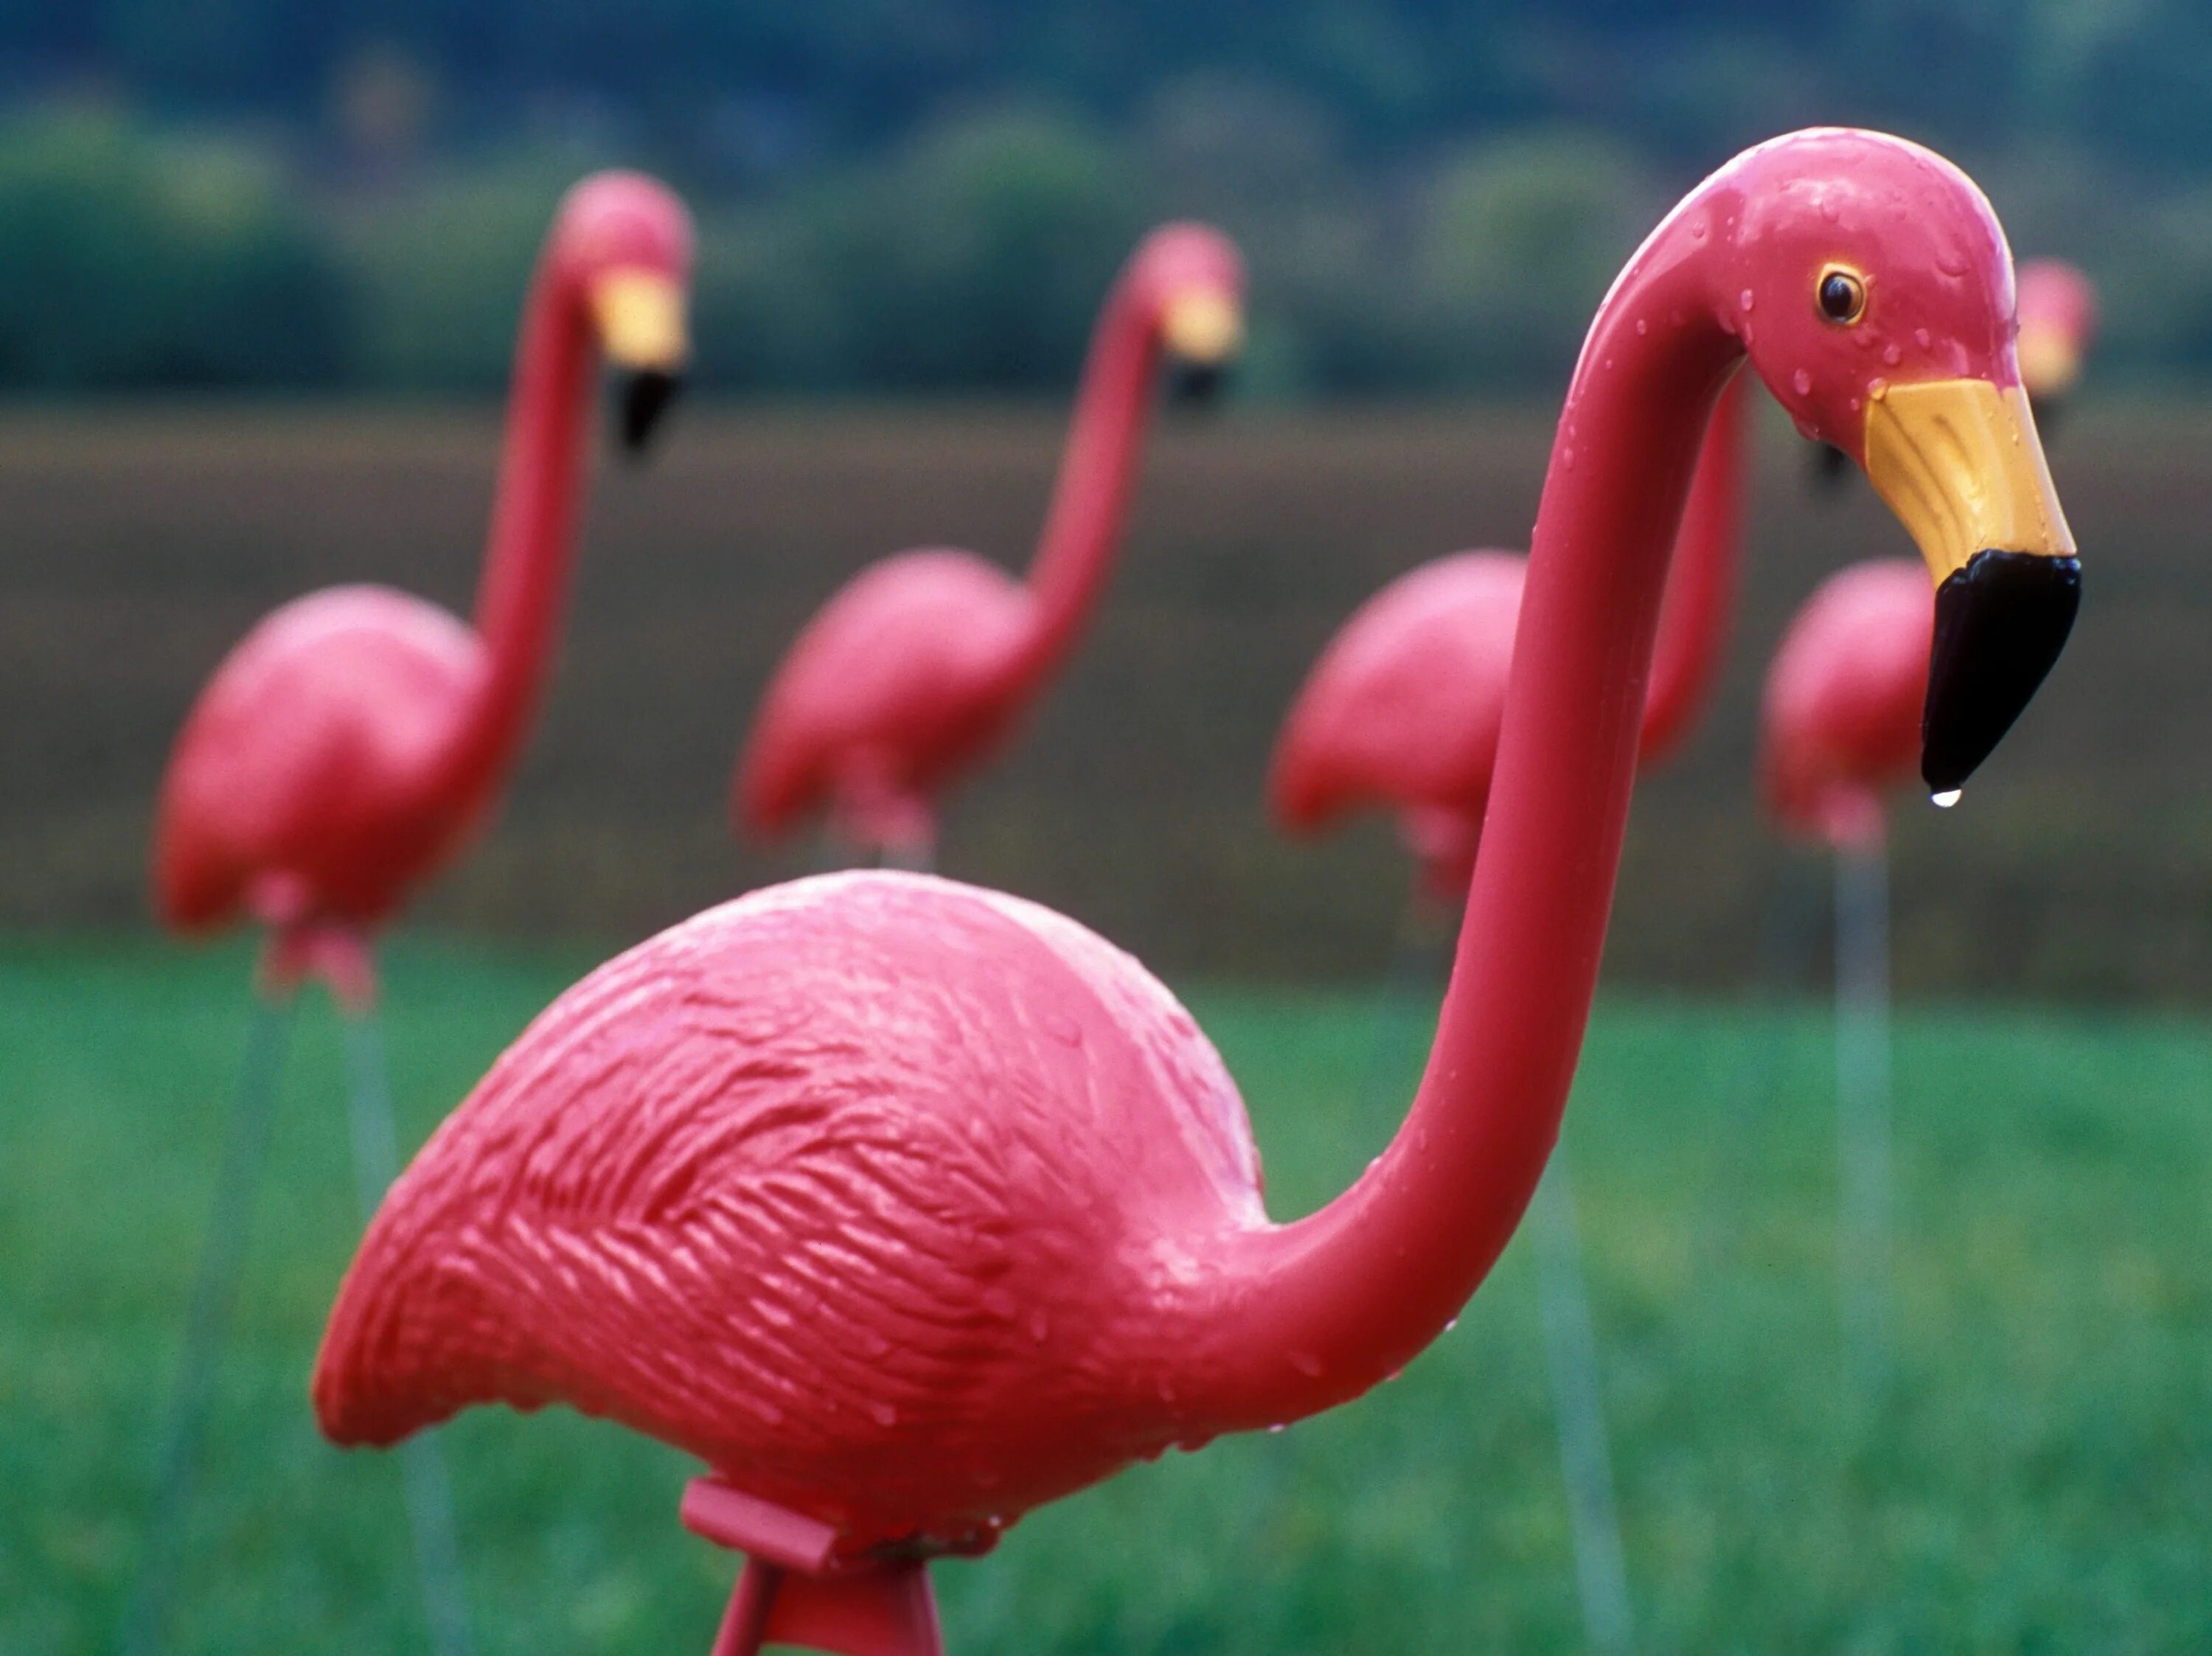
(640, 314)
(1959, 464)
(1204, 326)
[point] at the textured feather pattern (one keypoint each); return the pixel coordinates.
(869, 1190)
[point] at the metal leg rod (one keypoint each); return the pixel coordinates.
(430, 1489)
(207, 1321)
(1863, 1110)
(1578, 1407)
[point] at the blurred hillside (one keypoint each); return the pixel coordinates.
(900, 196)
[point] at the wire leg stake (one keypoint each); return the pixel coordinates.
(430, 1489)
(1578, 1406)
(207, 1320)
(1863, 1110)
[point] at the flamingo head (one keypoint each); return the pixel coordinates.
(622, 242)
(1190, 279)
(1872, 287)
(2057, 323)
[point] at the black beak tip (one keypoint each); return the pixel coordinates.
(1197, 384)
(2001, 621)
(643, 400)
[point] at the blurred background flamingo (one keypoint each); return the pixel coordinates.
(1839, 732)
(1402, 712)
(349, 747)
(2057, 328)
(917, 670)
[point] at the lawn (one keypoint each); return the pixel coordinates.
(2039, 1478)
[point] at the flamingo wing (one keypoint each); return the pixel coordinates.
(898, 682)
(313, 754)
(840, 1186)
(1403, 708)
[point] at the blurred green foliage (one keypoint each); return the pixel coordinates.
(128, 262)
(924, 197)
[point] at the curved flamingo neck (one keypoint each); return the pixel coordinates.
(1300, 1317)
(1694, 617)
(1098, 468)
(532, 542)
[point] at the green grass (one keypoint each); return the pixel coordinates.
(2040, 1479)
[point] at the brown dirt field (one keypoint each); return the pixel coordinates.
(138, 546)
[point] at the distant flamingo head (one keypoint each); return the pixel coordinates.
(2057, 326)
(621, 245)
(1871, 286)
(1189, 280)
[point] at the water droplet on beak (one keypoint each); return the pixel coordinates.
(1946, 799)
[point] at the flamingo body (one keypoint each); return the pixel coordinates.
(898, 685)
(1403, 708)
(863, 1189)
(312, 761)
(1840, 724)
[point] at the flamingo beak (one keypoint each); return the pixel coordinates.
(1202, 329)
(1960, 465)
(639, 316)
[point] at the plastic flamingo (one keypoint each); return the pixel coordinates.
(907, 1206)
(1402, 712)
(1840, 724)
(352, 744)
(2057, 319)
(2057, 326)
(917, 671)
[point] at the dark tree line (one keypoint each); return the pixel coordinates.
(917, 195)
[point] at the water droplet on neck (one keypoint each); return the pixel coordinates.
(1642, 327)
(1946, 799)
(1892, 354)
(1802, 379)
(1746, 300)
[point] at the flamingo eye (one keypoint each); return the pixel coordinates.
(1842, 295)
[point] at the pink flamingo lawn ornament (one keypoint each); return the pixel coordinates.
(356, 739)
(1403, 711)
(907, 1206)
(915, 672)
(2057, 326)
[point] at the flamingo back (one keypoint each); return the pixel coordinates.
(865, 1189)
(315, 753)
